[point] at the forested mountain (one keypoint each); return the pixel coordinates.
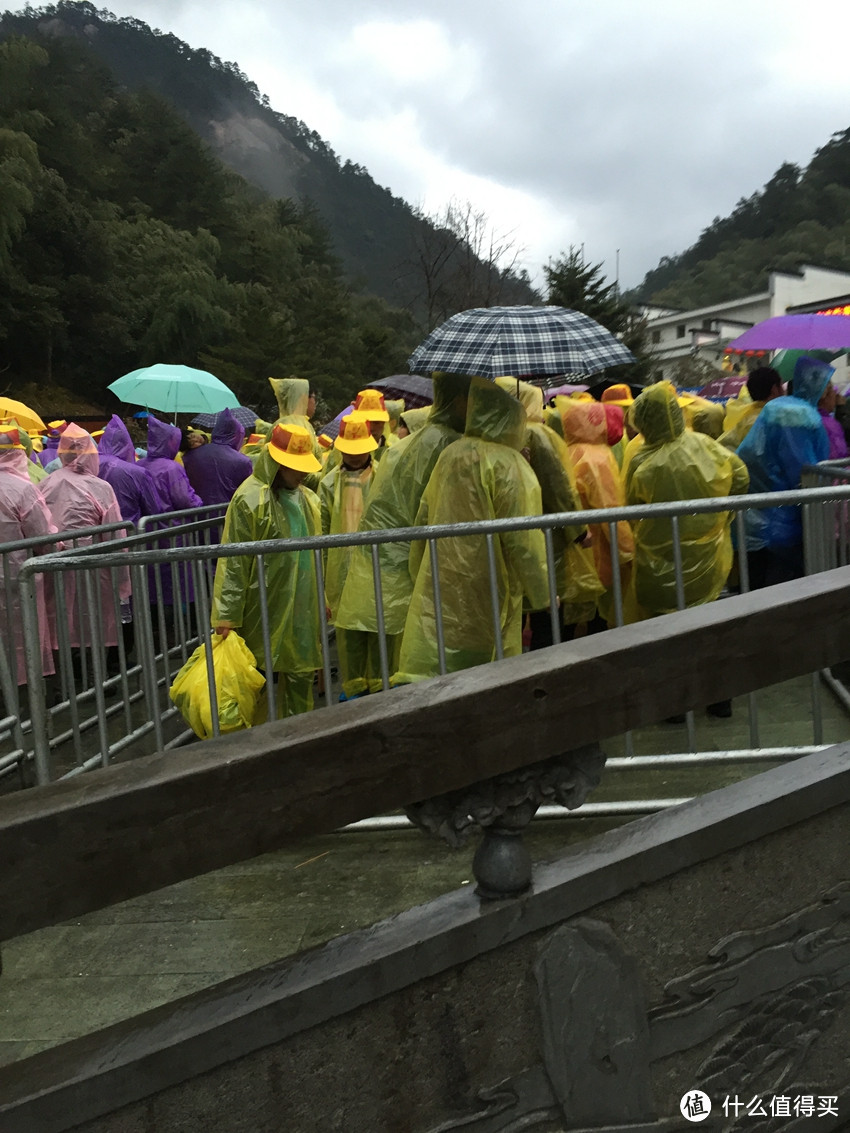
(378, 237)
(799, 215)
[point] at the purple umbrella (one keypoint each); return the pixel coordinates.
(796, 332)
(332, 428)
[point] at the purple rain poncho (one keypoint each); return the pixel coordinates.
(170, 480)
(216, 470)
(133, 486)
(837, 440)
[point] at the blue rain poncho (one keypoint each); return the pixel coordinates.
(482, 476)
(678, 464)
(787, 434)
(394, 498)
(260, 511)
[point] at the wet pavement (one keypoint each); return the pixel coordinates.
(65, 981)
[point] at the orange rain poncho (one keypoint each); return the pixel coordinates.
(585, 425)
(677, 464)
(481, 476)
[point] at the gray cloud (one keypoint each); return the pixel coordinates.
(642, 121)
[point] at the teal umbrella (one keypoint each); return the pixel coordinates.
(174, 389)
(785, 361)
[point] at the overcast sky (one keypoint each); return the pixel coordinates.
(616, 124)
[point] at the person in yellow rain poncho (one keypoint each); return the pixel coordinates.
(599, 484)
(394, 499)
(482, 476)
(677, 464)
(343, 494)
(294, 400)
(273, 504)
(577, 583)
(395, 408)
(763, 385)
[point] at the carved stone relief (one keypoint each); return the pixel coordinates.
(764, 997)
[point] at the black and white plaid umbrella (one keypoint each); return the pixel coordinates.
(244, 416)
(519, 341)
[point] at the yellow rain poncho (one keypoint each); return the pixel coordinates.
(343, 494)
(292, 395)
(482, 476)
(677, 464)
(577, 581)
(394, 499)
(395, 408)
(585, 426)
(416, 418)
(260, 511)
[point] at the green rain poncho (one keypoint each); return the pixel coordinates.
(677, 464)
(258, 511)
(482, 476)
(394, 498)
(292, 395)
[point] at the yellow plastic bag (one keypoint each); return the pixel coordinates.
(237, 686)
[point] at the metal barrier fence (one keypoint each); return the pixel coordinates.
(166, 631)
(89, 670)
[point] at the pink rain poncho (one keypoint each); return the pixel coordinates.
(216, 470)
(133, 486)
(78, 501)
(23, 515)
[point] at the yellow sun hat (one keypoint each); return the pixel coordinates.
(354, 435)
(325, 441)
(370, 402)
(292, 446)
(618, 395)
(9, 438)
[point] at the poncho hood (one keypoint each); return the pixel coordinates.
(116, 441)
(163, 439)
(657, 414)
(494, 415)
(584, 422)
(228, 431)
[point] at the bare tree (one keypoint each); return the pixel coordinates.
(459, 260)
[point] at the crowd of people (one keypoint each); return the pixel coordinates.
(483, 450)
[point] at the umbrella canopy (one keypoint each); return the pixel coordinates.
(566, 389)
(496, 341)
(413, 388)
(27, 418)
(332, 428)
(174, 389)
(727, 385)
(245, 416)
(796, 332)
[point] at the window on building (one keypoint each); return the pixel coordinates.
(680, 330)
(656, 336)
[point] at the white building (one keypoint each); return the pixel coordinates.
(705, 332)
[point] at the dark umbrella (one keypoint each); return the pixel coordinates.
(245, 416)
(497, 341)
(413, 388)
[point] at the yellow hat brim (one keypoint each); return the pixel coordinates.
(370, 414)
(356, 447)
(301, 462)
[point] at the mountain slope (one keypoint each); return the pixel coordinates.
(374, 233)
